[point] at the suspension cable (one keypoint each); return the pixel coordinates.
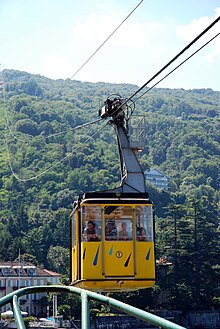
(39, 137)
(105, 41)
(52, 135)
(172, 60)
(7, 121)
(177, 67)
(159, 72)
(51, 167)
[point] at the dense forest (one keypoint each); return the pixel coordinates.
(48, 157)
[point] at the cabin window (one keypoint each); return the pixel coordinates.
(144, 223)
(91, 223)
(118, 223)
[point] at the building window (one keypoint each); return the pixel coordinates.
(157, 178)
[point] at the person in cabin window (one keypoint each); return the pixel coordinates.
(111, 230)
(141, 234)
(89, 233)
(124, 234)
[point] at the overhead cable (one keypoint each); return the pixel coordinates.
(39, 137)
(173, 59)
(75, 128)
(11, 132)
(56, 134)
(51, 167)
(106, 40)
(178, 66)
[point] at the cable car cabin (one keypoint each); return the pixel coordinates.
(112, 242)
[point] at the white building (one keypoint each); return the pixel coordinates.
(15, 275)
(157, 178)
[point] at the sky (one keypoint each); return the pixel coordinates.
(54, 38)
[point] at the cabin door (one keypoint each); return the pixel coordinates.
(118, 242)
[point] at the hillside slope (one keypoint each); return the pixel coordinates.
(183, 135)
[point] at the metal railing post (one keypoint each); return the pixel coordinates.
(85, 310)
(17, 313)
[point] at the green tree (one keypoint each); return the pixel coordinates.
(58, 259)
(5, 239)
(27, 126)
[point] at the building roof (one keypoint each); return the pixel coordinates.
(51, 273)
(154, 171)
(24, 269)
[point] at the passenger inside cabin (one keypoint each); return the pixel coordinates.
(90, 233)
(124, 234)
(141, 234)
(111, 230)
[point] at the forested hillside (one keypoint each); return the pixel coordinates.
(52, 163)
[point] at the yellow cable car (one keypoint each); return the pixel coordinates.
(112, 232)
(113, 242)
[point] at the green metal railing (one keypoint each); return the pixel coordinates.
(86, 296)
